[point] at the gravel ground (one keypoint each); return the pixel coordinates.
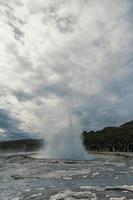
(24, 177)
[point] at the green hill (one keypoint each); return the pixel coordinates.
(110, 139)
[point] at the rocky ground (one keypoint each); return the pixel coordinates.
(25, 177)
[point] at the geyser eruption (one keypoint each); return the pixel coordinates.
(66, 143)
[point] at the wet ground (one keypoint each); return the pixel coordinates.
(23, 177)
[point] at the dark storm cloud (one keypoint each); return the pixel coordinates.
(66, 24)
(22, 96)
(10, 125)
(13, 22)
(7, 122)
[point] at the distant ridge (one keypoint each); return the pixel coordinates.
(25, 145)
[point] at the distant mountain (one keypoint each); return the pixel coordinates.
(110, 138)
(23, 145)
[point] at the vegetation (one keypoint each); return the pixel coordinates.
(110, 139)
(21, 145)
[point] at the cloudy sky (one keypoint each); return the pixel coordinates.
(63, 59)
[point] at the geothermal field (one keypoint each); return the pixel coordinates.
(30, 177)
(66, 88)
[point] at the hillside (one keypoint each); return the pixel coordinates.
(110, 139)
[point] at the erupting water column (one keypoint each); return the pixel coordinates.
(66, 142)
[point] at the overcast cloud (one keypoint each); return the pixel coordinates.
(65, 55)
